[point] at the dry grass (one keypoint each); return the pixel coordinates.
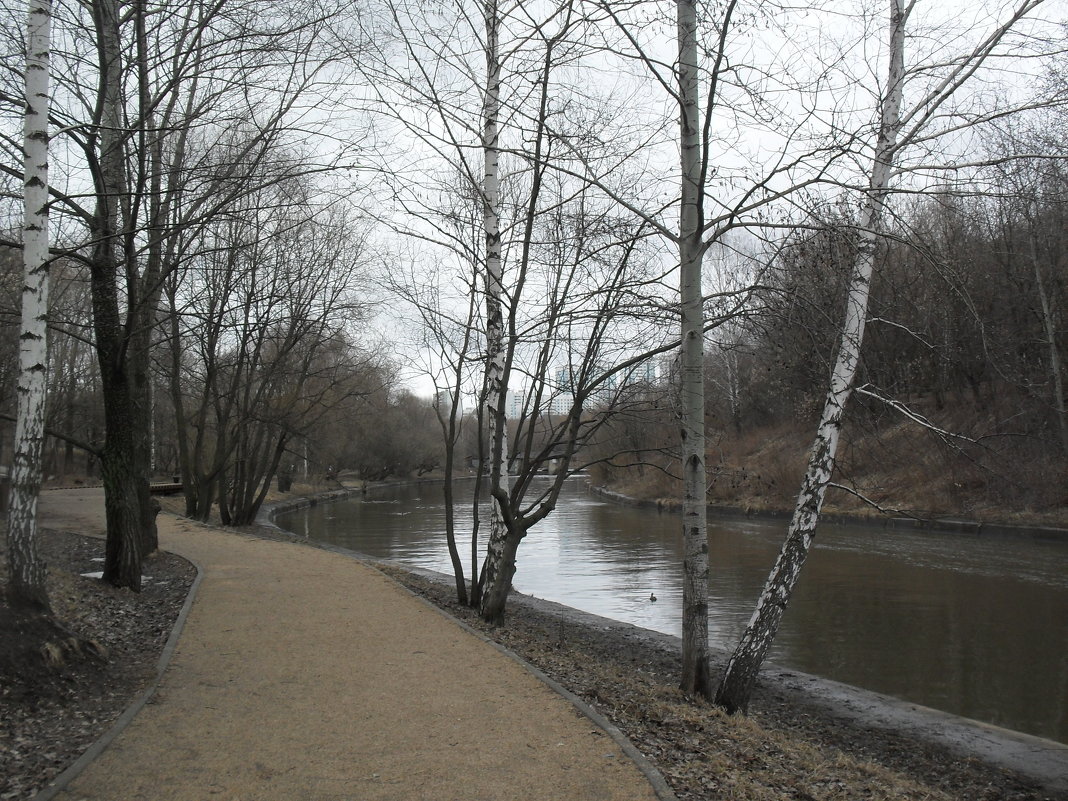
(891, 464)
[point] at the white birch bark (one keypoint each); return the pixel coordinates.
(1049, 327)
(741, 672)
(695, 671)
(496, 387)
(27, 572)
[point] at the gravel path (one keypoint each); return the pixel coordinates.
(306, 674)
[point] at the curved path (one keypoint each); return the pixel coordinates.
(304, 674)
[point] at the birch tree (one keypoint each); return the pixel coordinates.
(26, 571)
(496, 568)
(559, 322)
(503, 166)
(695, 670)
(574, 353)
(726, 95)
(917, 124)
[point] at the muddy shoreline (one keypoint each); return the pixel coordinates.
(941, 524)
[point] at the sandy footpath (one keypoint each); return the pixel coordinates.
(303, 674)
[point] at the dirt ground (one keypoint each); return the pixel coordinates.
(50, 715)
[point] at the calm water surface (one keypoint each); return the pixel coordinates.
(974, 626)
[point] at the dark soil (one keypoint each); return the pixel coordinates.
(109, 642)
(785, 748)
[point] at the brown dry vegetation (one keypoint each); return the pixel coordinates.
(900, 467)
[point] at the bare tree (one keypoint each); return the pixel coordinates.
(1027, 216)
(166, 77)
(574, 352)
(714, 196)
(501, 167)
(261, 321)
(447, 333)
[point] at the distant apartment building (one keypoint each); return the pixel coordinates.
(514, 405)
(562, 395)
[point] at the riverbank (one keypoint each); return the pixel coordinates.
(630, 674)
(887, 467)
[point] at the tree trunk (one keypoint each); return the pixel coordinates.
(26, 572)
(125, 483)
(740, 675)
(450, 512)
(477, 576)
(496, 570)
(695, 671)
(253, 478)
(495, 597)
(139, 368)
(124, 549)
(1049, 326)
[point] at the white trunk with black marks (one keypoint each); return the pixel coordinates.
(26, 585)
(1049, 325)
(741, 672)
(695, 671)
(496, 582)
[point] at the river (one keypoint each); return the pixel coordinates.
(972, 625)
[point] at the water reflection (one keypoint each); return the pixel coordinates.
(974, 626)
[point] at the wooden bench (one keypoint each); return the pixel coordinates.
(164, 489)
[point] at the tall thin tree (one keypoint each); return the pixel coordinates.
(896, 130)
(695, 672)
(26, 585)
(495, 388)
